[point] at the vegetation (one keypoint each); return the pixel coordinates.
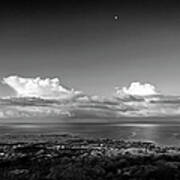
(74, 158)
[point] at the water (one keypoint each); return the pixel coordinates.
(156, 130)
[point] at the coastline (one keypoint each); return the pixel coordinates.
(67, 156)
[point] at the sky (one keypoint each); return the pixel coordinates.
(89, 59)
(87, 48)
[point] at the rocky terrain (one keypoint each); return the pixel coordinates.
(66, 157)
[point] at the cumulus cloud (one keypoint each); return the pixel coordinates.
(137, 89)
(38, 87)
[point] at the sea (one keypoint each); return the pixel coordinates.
(163, 131)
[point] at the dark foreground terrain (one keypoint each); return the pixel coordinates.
(66, 157)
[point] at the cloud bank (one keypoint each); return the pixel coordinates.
(46, 88)
(47, 97)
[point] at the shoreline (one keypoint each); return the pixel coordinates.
(67, 156)
(44, 137)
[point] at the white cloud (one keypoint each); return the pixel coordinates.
(38, 87)
(136, 100)
(137, 89)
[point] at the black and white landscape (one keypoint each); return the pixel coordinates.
(89, 90)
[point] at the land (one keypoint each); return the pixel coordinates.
(68, 157)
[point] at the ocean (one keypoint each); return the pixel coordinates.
(158, 130)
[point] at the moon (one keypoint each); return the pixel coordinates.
(116, 17)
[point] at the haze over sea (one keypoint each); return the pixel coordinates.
(164, 131)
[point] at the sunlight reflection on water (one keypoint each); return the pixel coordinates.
(136, 125)
(160, 132)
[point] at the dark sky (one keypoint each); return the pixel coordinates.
(82, 43)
